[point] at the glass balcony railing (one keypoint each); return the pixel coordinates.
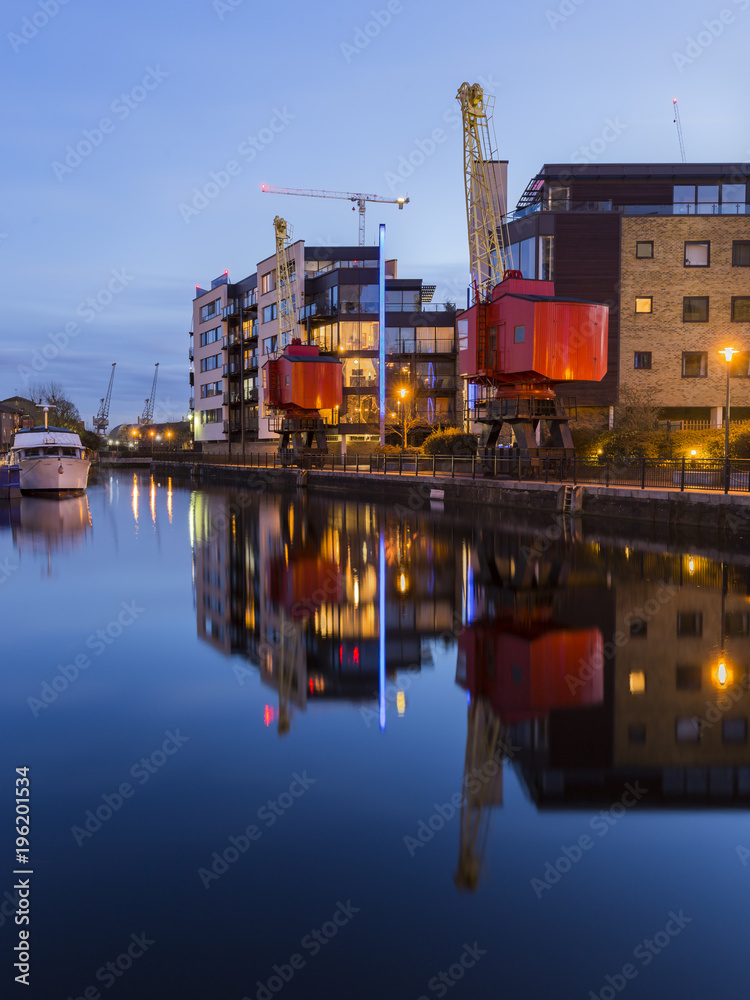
(421, 347)
(688, 208)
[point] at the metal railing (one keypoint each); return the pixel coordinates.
(683, 475)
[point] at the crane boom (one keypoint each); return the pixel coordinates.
(285, 318)
(360, 199)
(678, 123)
(148, 409)
(101, 420)
(487, 255)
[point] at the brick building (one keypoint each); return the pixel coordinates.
(591, 229)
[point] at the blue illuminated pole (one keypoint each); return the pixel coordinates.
(381, 331)
(381, 627)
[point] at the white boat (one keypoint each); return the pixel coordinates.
(52, 461)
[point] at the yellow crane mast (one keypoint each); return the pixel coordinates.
(285, 318)
(487, 252)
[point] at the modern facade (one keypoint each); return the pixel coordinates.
(666, 247)
(336, 301)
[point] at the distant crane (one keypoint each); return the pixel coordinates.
(101, 420)
(286, 320)
(679, 128)
(147, 416)
(360, 199)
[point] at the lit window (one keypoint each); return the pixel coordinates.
(637, 682)
(642, 359)
(644, 249)
(643, 305)
(740, 309)
(697, 254)
(694, 364)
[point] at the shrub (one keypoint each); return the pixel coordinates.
(451, 441)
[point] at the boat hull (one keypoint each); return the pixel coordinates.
(54, 476)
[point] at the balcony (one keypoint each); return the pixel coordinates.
(191, 355)
(250, 299)
(226, 369)
(421, 347)
(191, 403)
(251, 395)
(250, 363)
(702, 208)
(225, 399)
(224, 342)
(317, 310)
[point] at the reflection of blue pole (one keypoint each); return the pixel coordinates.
(381, 615)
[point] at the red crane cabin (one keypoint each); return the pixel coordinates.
(301, 379)
(528, 336)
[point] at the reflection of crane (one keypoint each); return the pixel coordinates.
(483, 211)
(101, 420)
(678, 123)
(148, 410)
(482, 789)
(360, 199)
(286, 320)
(290, 645)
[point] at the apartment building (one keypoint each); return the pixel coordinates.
(666, 247)
(335, 295)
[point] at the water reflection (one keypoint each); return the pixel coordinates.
(586, 664)
(40, 525)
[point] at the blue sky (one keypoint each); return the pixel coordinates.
(300, 95)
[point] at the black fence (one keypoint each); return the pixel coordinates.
(732, 476)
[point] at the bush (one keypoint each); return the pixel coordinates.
(394, 449)
(451, 441)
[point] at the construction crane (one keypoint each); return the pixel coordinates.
(487, 253)
(286, 320)
(147, 416)
(360, 199)
(101, 420)
(678, 123)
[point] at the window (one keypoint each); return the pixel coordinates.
(732, 196)
(690, 624)
(734, 731)
(688, 679)
(741, 253)
(636, 733)
(638, 628)
(269, 313)
(211, 389)
(697, 254)
(695, 309)
(208, 364)
(211, 416)
(736, 623)
(687, 730)
(643, 304)
(637, 682)
(547, 258)
(740, 309)
(211, 310)
(644, 249)
(365, 299)
(210, 336)
(267, 282)
(527, 258)
(269, 345)
(642, 359)
(519, 334)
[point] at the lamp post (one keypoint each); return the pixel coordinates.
(403, 393)
(728, 353)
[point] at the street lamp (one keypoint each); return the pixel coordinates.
(728, 353)
(403, 393)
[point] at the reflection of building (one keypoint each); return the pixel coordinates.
(336, 298)
(675, 707)
(294, 585)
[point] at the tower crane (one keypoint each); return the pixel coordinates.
(286, 320)
(487, 252)
(678, 123)
(360, 199)
(101, 420)
(147, 416)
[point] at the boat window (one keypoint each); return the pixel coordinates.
(69, 451)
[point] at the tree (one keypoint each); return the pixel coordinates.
(636, 412)
(52, 394)
(401, 417)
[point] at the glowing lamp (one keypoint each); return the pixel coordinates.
(722, 675)
(728, 353)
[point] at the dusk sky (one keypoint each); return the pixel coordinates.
(310, 96)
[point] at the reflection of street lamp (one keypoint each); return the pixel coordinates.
(728, 353)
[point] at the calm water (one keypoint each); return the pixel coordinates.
(250, 721)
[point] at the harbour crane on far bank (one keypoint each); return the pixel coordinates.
(147, 417)
(101, 420)
(360, 199)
